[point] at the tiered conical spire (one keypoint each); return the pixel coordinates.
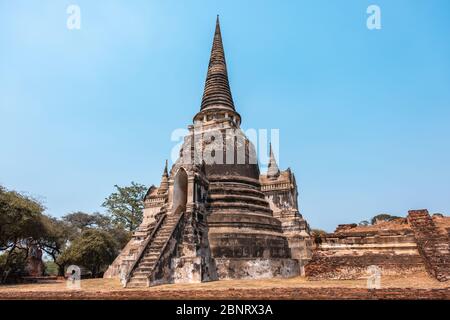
(164, 186)
(272, 170)
(217, 93)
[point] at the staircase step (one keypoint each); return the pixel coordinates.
(139, 273)
(152, 254)
(138, 278)
(136, 284)
(144, 269)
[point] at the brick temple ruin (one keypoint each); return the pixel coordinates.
(403, 246)
(220, 219)
(213, 220)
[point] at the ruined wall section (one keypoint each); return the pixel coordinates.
(433, 242)
(350, 250)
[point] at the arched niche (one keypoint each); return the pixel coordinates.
(180, 189)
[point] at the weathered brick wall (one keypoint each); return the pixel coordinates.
(403, 246)
(351, 250)
(325, 265)
(433, 244)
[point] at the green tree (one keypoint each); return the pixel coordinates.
(317, 235)
(126, 205)
(13, 263)
(383, 217)
(120, 235)
(93, 249)
(51, 268)
(20, 218)
(81, 220)
(55, 240)
(20, 224)
(61, 235)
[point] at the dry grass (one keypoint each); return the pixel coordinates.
(419, 281)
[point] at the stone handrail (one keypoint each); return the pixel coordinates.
(142, 250)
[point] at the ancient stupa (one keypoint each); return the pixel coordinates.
(214, 216)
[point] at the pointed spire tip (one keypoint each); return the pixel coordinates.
(165, 173)
(272, 169)
(217, 91)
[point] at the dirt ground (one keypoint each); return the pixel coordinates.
(421, 286)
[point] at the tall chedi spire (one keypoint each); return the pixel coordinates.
(272, 169)
(217, 99)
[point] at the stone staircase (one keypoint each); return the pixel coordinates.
(128, 254)
(433, 245)
(141, 272)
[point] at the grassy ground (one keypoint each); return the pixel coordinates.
(273, 288)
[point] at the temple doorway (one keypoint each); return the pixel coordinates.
(180, 189)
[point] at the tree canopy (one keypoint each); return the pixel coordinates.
(81, 220)
(20, 218)
(126, 205)
(383, 217)
(93, 249)
(21, 223)
(90, 240)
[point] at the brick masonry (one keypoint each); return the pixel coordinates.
(400, 247)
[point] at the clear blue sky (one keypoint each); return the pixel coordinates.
(363, 115)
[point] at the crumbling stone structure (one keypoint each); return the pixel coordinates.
(280, 189)
(402, 246)
(214, 216)
(433, 242)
